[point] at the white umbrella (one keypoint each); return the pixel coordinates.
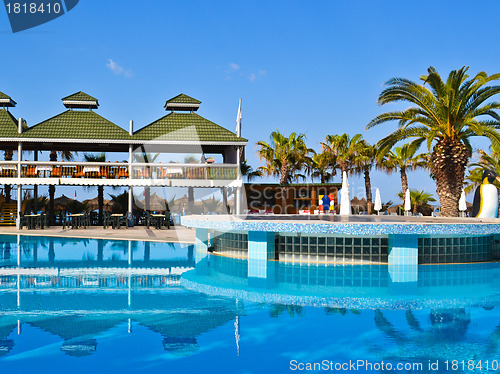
(462, 204)
(345, 202)
(378, 201)
(407, 200)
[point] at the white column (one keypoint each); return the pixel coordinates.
(19, 186)
(130, 188)
(35, 187)
(239, 178)
(19, 159)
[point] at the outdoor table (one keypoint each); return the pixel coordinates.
(92, 170)
(68, 171)
(116, 220)
(76, 220)
(44, 170)
(32, 219)
(173, 170)
(113, 171)
(159, 220)
(8, 170)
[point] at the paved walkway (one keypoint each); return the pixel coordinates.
(176, 234)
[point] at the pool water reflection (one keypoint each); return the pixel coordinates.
(81, 311)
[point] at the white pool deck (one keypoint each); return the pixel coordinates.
(177, 234)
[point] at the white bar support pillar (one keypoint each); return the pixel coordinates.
(202, 237)
(130, 188)
(237, 205)
(403, 258)
(19, 160)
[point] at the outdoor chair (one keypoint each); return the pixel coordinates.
(150, 220)
(24, 221)
(31, 172)
(122, 221)
(87, 220)
(123, 173)
(64, 220)
(79, 172)
(42, 221)
(167, 219)
(103, 172)
(106, 220)
(55, 172)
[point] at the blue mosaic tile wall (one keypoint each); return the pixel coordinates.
(334, 249)
(444, 250)
(232, 243)
(230, 266)
(336, 276)
(457, 275)
(350, 250)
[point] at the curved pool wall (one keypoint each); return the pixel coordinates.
(400, 242)
(348, 286)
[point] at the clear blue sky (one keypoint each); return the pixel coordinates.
(313, 67)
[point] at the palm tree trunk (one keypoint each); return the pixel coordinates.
(368, 189)
(147, 198)
(283, 183)
(448, 160)
(52, 191)
(404, 179)
(100, 202)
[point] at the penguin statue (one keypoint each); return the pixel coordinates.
(486, 197)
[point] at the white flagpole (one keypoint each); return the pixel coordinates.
(238, 121)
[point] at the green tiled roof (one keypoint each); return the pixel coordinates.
(186, 127)
(8, 124)
(6, 100)
(75, 124)
(183, 99)
(79, 96)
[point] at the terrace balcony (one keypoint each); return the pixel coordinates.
(118, 174)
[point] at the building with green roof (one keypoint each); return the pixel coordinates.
(80, 129)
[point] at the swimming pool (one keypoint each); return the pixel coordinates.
(86, 305)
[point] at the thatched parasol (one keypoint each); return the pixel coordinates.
(156, 203)
(93, 204)
(61, 203)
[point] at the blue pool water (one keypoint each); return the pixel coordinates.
(85, 305)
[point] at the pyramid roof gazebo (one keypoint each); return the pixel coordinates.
(6, 101)
(80, 100)
(182, 102)
(8, 123)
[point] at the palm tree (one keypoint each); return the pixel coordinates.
(343, 149)
(248, 171)
(65, 155)
(445, 116)
(404, 159)
(486, 162)
(363, 161)
(285, 157)
(322, 166)
(211, 205)
(100, 189)
(418, 199)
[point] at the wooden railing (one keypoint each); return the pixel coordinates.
(117, 170)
